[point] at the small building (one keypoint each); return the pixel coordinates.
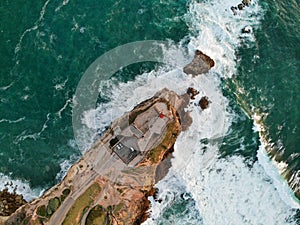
(125, 148)
(142, 135)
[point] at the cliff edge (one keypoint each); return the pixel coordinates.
(112, 181)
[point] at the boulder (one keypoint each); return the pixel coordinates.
(10, 202)
(192, 92)
(240, 6)
(204, 102)
(200, 64)
(246, 30)
(233, 9)
(246, 2)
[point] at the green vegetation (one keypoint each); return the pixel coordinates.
(66, 191)
(85, 200)
(100, 215)
(53, 205)
(19, 218)
(117, 208)
(65, 194)
(85, 210)
(139, 110)
(97, 215)
(168, 139)
(41, 211)
(26, 221)
(46, 211)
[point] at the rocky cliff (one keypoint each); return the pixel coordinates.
(111, 183)
(119, 193)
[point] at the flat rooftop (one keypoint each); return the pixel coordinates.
(142, 135)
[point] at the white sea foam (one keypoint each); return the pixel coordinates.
(122, 98)
(21, 187)
(220, 31)
(12, 121)
(33, 28)
(65, 165)
(210, 124)
(24, 135)
(295, 181)
(273, 168)
(166, 199)
(4, 88)
(61, 86)
(64, 2)
(67, 103)
(226, 190)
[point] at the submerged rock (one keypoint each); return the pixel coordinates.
(200, 64)
(204, 102)
(233, 9)
(246, 2)
(246, 30)
(240, 6)
(192, 92)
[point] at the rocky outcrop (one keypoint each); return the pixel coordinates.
(102, 189)
(192, 92)
(111, 183)
(201, 64)
(240, 6)
(246, 2)
(10, 202)
(204, 102)
(246, 30)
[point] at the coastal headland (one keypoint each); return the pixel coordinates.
(111, 183)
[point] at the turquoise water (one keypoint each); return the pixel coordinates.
(271, 82)
(46, 47)
(39, 73)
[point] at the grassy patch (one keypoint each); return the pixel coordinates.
(97, 215)
(117, 208)
(100, 215)
(168, 139)
(65, 194)
(53, 205)
(66, 191)
(85, 200)
(41, 211)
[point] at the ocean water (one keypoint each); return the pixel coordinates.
(242, 152)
